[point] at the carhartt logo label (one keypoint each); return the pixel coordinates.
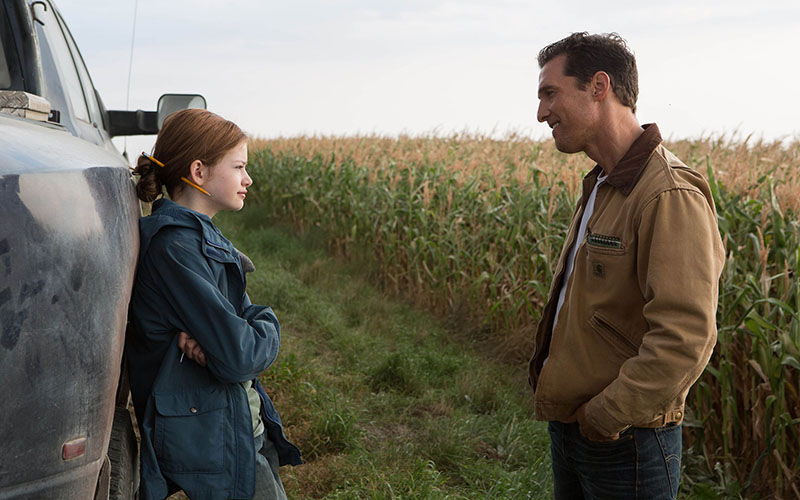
(598, 269)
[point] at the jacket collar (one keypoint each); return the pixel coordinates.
(168, 213)
(629, 169)
(164, 207)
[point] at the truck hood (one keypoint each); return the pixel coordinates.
(27, 146)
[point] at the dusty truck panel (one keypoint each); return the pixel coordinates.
(68, 247)
(67, 283)
(29, 146)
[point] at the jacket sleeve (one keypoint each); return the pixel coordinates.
(237, 347)
(679, 262)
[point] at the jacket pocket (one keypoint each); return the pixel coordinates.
(218, 252)
(609, 245)
(190, 430)
(613, 334)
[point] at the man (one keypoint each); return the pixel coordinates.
(630, 321)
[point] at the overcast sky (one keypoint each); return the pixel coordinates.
(391, 66)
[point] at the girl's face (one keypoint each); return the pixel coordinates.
(228, 179)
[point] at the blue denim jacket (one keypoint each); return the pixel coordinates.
(195, 421)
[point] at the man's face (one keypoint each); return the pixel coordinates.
(569, 111)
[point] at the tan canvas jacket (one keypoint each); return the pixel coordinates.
(638, 323)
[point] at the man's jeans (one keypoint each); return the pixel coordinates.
(642, 464)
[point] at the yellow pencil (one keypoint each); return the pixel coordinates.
(187, 181)
(152, 159)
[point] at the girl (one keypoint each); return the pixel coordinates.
(196, 344)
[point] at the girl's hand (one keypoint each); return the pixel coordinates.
(191, 349)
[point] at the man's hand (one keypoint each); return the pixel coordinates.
(587, 430)
(191, 348)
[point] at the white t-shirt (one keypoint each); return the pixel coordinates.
(570, 264)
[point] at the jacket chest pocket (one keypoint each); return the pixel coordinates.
(190, 429)
(607, 258)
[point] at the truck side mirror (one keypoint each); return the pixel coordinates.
(169, 103)
(149, 122)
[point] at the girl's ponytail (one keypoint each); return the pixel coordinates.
(149, 187)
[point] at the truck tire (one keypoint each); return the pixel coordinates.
(123, 451)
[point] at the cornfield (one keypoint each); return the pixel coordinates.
(472, 226)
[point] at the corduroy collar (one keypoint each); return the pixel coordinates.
(627, 172)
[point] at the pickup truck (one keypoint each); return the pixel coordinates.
(68, 249)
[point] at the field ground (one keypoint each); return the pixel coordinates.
(382, 402)
(386, 401)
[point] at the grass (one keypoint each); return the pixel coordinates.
(385, 402)
(469, 227)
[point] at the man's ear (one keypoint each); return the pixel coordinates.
(198, 173)
(601, 85)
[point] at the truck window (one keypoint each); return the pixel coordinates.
(5, 74)
(83, 74)
(61, 78)
(10, 77)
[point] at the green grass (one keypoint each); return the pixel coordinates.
(382, 400)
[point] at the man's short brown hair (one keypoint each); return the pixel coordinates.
(587, 54)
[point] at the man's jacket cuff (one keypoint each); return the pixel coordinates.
(603, 421)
